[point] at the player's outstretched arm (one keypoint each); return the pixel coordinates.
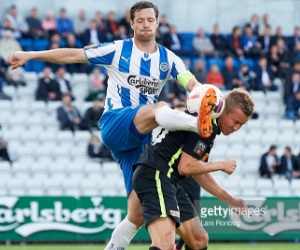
(60, 56)
(209, 183)
(188, 165)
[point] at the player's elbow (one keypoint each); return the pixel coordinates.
(183, 170)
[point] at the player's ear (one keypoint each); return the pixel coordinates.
(131, 24)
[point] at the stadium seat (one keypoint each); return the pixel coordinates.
(41, 44)
(264, 184)
(26, 43)
(218, 61)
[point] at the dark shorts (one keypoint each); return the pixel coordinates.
(160, 197)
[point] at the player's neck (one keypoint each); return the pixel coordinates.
(147, 47)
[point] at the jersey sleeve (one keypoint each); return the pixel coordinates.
(101, 54)
(194, 146)
(180, 72)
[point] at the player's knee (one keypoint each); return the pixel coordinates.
(136, 218)
(161, 104)
(165, 240)
(200, 242)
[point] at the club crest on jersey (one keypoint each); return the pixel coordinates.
(146, 86)
(200, 148)
(164, 67)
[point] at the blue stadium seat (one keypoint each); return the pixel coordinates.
(250, 63)
(187, 40)
(216, 60)
(41, 44)
(37, 66)
(26, 43)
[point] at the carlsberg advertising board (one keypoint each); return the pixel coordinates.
(94, 218)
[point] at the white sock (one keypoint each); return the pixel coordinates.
(122, 235)
(174, 120)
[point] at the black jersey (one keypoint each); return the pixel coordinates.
(165, 152)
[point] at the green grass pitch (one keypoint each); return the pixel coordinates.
(212, 246)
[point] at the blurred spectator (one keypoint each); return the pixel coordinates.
(278, 35)
(265, 40)
(219, 42)
(289, 165)
(273, 60)
(247, 77)
(250, 44)
(173, 90)
(64, 24)
(158, 37)
(296, 54)
(111, 26)
(173, 41)
(215, 77)
(264, 23)
(49, 24)
(55, 43)
(230, 74)
(16, 77)
(269, 163)
(284, 58)
(48, 89)
(202, 44)
(97, 85)
(121, 33)
(264, 76)
(17, 22)
(92, 35)
(64, 85)
(164, 26)
(96, 148)
(125, 22)
(93, 114)
(8, 45)
(294, 39)
(254, 26)
(6, 25)
(34, 24)
(235, 42)
(80, 24)
(69, 116)
(289, 82)
(101, 24)
(292, 110)
(3, 151)
(199, 71)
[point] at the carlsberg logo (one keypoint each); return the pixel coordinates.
(29, 220)
(271, 220)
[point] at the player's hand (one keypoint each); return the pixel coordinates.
(18, 59)
(229, 166)
(238, 205)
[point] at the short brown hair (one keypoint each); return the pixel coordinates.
(142, 5)
(239, 98)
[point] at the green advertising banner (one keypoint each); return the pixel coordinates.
(94, 218)
(61, 218)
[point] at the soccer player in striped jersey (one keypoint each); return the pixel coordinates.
(137, 68)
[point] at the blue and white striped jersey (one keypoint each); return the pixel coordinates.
(135, 77)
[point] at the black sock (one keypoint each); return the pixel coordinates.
(154, 248)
